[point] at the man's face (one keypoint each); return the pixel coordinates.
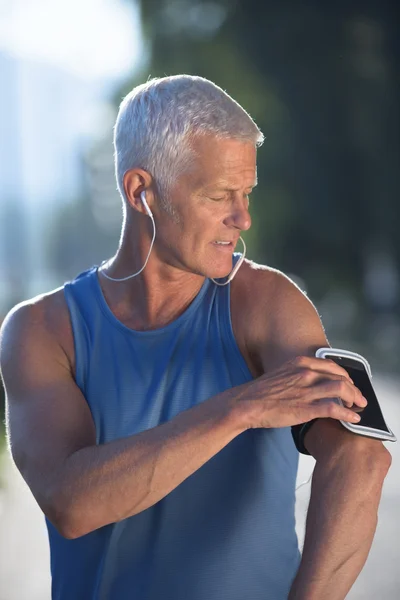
(211, 203)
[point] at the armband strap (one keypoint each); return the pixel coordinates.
(298, 433)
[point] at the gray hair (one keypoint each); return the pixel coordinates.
(157, 118)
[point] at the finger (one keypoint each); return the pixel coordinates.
(338, 388)
(357, 409)
(332, 409)
(322, 365)
(308, 378)
(348, 404)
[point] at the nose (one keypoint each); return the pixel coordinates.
(239, 216)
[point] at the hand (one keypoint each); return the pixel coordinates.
(302, 389)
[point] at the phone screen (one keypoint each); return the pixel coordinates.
(371, 415)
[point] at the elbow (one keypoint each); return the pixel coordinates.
(382, 463)
(373, 466)
(65, 523)
(62, 511)
(372, 458)
(360, 461)
(367, 462)
(67, 530)
(70, 527)
(334, 447)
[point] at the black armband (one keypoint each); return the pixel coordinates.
(298, 433)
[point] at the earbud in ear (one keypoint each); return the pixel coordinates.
(146, 206)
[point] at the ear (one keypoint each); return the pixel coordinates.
(136, 181)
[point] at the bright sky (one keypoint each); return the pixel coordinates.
(98, 39)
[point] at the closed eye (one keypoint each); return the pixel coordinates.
(246, 195)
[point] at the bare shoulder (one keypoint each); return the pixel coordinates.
(38, 322)
(276, 317)
(262, 287)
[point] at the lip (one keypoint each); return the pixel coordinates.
(226, 247)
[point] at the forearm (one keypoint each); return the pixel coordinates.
(103, 484)
(340, 527)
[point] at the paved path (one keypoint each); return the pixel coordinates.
(24, 554)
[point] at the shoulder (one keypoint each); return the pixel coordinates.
(278, 318)
(39, 322)
(266, 290)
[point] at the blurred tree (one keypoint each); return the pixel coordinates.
(86, 231)
(322, 82)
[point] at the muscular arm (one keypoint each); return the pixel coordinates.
(349, 472)
(342, 515)
(79, 485)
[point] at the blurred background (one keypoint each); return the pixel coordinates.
(322, 81)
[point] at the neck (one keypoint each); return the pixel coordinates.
(155, 297)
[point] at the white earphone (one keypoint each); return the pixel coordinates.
(143, 199)
(147, 208)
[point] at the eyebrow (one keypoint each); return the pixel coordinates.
(222, 185)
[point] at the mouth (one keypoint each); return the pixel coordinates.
(224, 245)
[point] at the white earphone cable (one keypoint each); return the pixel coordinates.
(143, 197)
(304, 482)
(235, 268)
(148, 256)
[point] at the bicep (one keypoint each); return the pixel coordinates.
(296, 330)
(295, 327)
(47, 416)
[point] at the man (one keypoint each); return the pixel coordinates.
(150, 405)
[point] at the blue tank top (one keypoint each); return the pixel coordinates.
(225, 533)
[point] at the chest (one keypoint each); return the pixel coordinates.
(241, 320)
(134, 382)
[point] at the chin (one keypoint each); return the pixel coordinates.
(215, 267)
(219, 272)
(212, 272)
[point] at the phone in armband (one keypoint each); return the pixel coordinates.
(372, 423)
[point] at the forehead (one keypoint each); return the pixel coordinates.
(223, 160)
